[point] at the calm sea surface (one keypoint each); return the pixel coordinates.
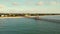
(47, 25)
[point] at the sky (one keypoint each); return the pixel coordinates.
(29, 6)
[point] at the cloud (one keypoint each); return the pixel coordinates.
(15, 3)
(53, 3)
(40, 3)
(58, 3)
(29, 2)
(2, 6)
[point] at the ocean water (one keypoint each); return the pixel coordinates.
(46, 25)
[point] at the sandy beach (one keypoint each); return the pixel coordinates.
(29, 16)
(11, 17)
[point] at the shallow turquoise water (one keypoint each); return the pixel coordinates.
(29, 26)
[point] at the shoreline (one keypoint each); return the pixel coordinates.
(10, 17)
(27, 16)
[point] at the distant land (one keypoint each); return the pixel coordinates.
(25, 14)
